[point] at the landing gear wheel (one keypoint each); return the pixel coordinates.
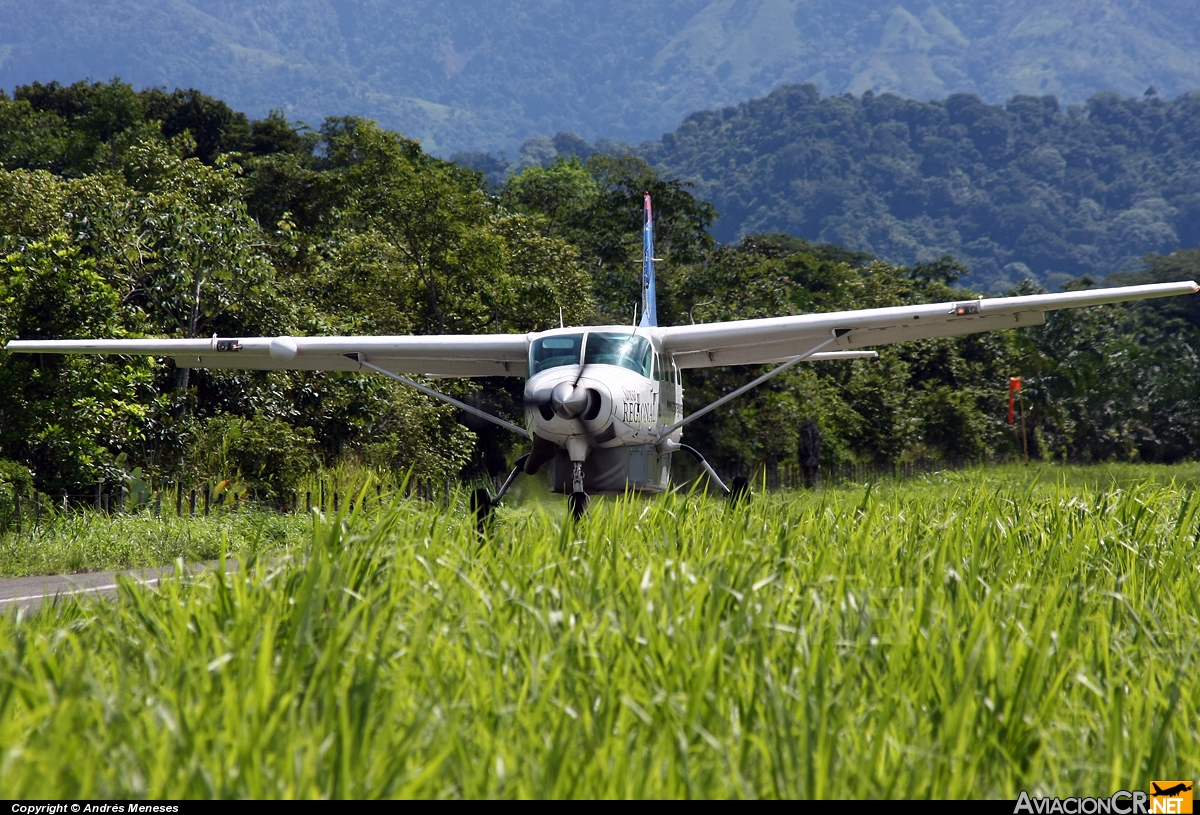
(739, 490)
(577, 502)
(481, 505)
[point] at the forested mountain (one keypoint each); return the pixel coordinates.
(127, 213)
(1024, 189)
(475, 75)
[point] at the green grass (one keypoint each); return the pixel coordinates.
(965, 635)
(88, 541)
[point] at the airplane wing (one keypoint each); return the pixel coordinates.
(740, 342)
(477, 355)
(775, 339)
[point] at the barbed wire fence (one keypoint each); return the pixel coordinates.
(26, 511)
(29, 511)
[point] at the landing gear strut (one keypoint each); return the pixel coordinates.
(482, 502)
(577, 501)
(737, 493)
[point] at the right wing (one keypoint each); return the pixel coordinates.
(441, 355)
(776, 339)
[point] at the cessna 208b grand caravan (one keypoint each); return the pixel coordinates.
(604, 404)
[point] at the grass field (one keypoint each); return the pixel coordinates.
(965, 635)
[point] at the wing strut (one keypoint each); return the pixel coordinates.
(735, 394)
(520, 431)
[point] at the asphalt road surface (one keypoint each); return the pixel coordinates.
(27, 593)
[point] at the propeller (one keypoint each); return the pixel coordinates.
(566, 400)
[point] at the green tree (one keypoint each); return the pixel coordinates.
(65, 417)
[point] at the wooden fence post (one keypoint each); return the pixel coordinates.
(192, 503)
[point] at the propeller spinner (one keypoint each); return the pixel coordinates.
(570, 401)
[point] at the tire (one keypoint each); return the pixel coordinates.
(481, 505)
(739, 490)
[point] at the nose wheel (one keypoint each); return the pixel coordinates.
(577, 501)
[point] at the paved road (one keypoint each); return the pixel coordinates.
(28, 593)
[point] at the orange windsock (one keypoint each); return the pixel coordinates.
(1014, 385)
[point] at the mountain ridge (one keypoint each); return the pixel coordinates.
(487, 76)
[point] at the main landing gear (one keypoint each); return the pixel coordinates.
(739, 490)
(483, 502)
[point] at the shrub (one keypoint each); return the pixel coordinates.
(269, 455)
(15, 479)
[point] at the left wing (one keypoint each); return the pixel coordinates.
(480, 355)
(775, 339)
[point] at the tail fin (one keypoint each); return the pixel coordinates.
(1157, 790)
(649, 300)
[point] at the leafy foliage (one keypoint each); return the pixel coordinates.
(269, 455)
(148, 227)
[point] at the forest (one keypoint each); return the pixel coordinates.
(1024, 189)
(129, 213)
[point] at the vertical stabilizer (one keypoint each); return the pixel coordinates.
(649, 302)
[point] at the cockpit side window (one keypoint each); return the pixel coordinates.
(625, 350)
(551, 352)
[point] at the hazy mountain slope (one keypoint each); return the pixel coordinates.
(1024, 189)
(486, 75)
(923, 50)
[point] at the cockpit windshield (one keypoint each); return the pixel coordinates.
(551, 352)
(626, 350)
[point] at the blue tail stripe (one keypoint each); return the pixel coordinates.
(649, 301)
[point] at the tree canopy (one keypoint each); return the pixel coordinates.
(1024, 189)
(144, 213)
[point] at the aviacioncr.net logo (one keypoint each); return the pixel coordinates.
(1122, 802)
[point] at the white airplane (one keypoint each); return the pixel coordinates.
(604, 404)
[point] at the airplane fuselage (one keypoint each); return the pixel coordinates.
(603, 393)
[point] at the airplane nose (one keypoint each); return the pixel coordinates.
(568, 401)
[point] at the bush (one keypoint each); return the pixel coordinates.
(269, 455)
(15, 479)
